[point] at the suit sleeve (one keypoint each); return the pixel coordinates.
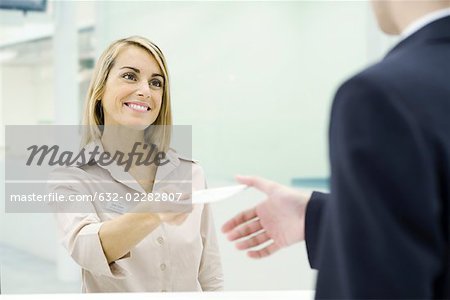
(313, 225)
(383, 235)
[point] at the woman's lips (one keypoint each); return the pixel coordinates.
(138, 106)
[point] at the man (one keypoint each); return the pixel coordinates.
(384, 231)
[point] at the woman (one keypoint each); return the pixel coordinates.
(121, 247)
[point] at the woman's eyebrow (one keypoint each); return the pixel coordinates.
(138, 71)
(134, 69)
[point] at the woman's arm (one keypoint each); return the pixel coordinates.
(120, 235)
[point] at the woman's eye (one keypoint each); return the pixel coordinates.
(156, 83)
(129, 76)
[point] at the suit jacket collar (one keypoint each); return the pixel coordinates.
(437, 30)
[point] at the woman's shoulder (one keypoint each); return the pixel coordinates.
(68, 172)
(182, 157)
(187, 160)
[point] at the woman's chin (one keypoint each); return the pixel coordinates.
(131, 123)
(135, 126)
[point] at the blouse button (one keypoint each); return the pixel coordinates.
(160, 240)
(163, 267)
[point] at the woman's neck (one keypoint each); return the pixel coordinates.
(123, 139)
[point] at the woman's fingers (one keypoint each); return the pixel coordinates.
(173, 218)
(178, 220)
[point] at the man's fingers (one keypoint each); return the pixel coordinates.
(264, 252)
(260, 183)
(239, 219)
(254, 241)
(248, 180)
(244, 230)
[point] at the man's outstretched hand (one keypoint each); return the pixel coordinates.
(279, 219)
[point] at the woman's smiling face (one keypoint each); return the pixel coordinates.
(134, 89)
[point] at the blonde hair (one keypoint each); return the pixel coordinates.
(93, 111)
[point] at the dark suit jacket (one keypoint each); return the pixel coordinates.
(384, 231)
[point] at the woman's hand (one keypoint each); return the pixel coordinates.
(181, 211)
(173, 218)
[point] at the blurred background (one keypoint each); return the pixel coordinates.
(254, 79)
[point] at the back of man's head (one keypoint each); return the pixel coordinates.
(394, 16)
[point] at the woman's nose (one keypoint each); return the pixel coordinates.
(144, 90)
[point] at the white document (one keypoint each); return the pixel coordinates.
(217, 194)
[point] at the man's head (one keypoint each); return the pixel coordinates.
(394, 16)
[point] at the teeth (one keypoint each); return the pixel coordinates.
(137, 107)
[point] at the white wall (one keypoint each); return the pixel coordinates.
(255, 79)
(27, 94)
